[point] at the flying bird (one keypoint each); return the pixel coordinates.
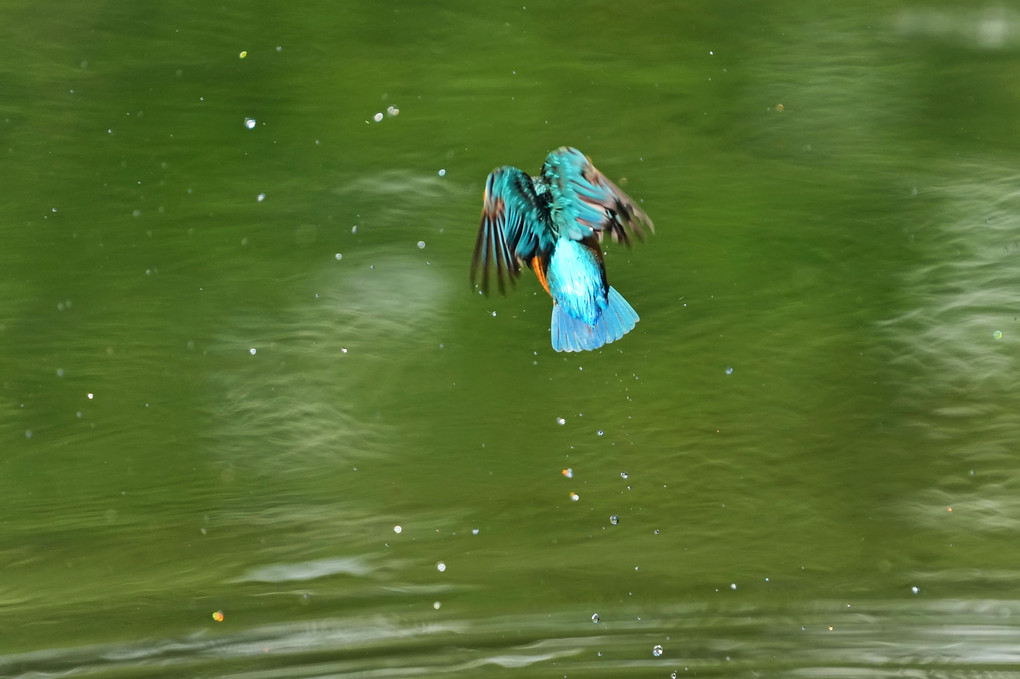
(554, 224)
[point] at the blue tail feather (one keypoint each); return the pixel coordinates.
(615, 321)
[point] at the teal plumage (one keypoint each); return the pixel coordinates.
(554, 224)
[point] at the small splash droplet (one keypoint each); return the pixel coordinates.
(595, 618)
(338, 256)
(436, 605)
(90, 395)
(343, 350)
(733, 585)
(574, 496)
(560, 420)
(600, 432)
(657, 650)
(243, 54)
(568, 472)
(421, 245)
(392, 111)
(249, 123)
(354, 229)
(915, 589)
(442, 172)
(218, 616)
(441, 567)
(997, 334)
(252, 351)
(261, 197)
(614, 519)
(397, 529)
(729, 370)
(474, 531)
(377, 117)
(624, 475)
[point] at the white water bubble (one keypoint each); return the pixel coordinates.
(249, 123)
(252, 351)
(595, 618)
(397, 529)
(657, 650)
(392, 111)
(377, 117)
(441, 567)
(442, 172)
(560, 420)
(421, 245)
(261, 197)
(614, 519)
(338, 256)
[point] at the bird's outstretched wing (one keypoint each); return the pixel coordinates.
(513, 227)
(587, 201)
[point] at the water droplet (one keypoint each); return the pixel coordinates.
(249, 123)
(568, 472)
(261, 197)
(915, 589)
(421, 245)
(392, 111)
(397, 529)
(474, 531)
(560, 420)
(574, 496)
(252, 351)
(90, 395)
(657, 650)
(614, 519)
(997, 334)
(436, 605)
(442, 172)
(243, 54)
(354, 229)
(623, 475)
(377, 117)
(729, 370)
(441, 567)
(343, 350)
(595, 618)
(338, 256)
(600, 432)
(733, 585)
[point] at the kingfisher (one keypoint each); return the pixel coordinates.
(554, 224)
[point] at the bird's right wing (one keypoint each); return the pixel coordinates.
(512, 228)
(589, 203)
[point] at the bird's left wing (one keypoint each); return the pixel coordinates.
(590, 203)
(512, 227)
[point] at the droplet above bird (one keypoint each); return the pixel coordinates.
(554, 224)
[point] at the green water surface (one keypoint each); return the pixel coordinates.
(243, 374)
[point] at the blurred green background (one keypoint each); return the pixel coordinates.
(242, 370)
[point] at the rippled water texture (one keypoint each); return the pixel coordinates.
(254, 421)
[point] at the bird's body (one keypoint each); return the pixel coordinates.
(554, 224)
